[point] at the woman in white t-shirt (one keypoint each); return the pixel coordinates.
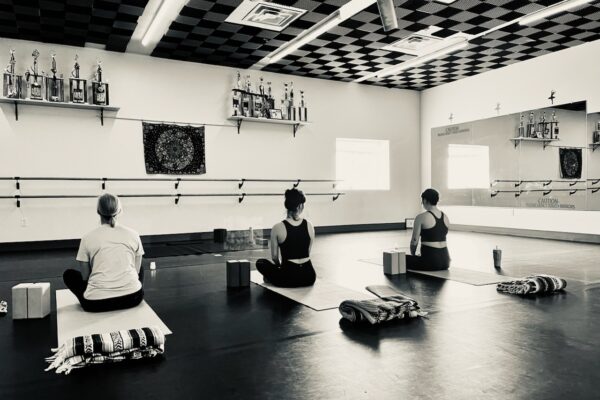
(112, 255)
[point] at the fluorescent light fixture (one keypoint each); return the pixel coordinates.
(157, 26)
(445, 1)
(306, 37)
(544, 13)
(420, 60)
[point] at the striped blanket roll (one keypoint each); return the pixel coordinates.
(535, 284)
(104, 348)
(380, 310)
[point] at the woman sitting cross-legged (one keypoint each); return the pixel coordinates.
(112, 256)
(292, 237)
(431, 227)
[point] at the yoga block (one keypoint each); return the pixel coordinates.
(233, 273)
(394, 262)
(31, 300)
(244, 266)
(220, 235)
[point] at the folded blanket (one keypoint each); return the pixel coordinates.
(131, 344)
(380, 310)
(535, 284)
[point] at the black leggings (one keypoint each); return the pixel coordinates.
(76, 284)
(288, 274)
(431, 259)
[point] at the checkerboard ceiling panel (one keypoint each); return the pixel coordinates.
(201, 34)
(72, 22)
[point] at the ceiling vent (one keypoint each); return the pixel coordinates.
(264, 14)
(418, 43)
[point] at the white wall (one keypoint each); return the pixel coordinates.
(573, 73)
(63, 142)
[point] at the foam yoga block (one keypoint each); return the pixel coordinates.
(31, 300)
(238, 273)
(394, 262)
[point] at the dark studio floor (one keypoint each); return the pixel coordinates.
(254, 344)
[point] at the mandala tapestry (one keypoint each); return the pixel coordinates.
(173, 149)
(570, 163)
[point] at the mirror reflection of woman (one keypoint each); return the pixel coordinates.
(430, 228)
(291, 242)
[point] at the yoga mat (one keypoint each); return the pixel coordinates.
(468, 276)
(322, 295)
(73, 321)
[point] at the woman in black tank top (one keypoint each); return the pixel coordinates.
(292, 238)
(434, 252)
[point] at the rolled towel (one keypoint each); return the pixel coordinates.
(116, 346)
(380, 310)
(534, 284)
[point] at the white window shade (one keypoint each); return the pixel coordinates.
(468, 166)
(363, 164)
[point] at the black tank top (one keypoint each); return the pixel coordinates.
(437, 233)
(296, 243)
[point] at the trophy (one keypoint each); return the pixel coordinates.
(54, 85)
(291, 108)
(285, 103)
(302, 112)
(77, 86)
(521, 130)
(237, 92)
(531, 126)
(34, 79)
(247, 99)
(99, 88)
(596, 137)
(11, 87)
(257, 100)
(270, 99)
(541, 127)
(554, 126)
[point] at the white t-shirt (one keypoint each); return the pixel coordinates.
(111, 252)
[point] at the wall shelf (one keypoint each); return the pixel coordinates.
(593, 146)
(294, 124)
(518, 141)
(44, 103)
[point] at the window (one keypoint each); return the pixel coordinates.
(362, 164)
(468, 166)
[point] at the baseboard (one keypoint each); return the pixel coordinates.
(530, 233)
(186, 237)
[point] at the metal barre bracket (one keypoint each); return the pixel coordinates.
(241, 198)
(17, 183)
(519, 183)
(18, 200)
(177, 184)
(241, 183)
(547, 183)
(337, 196)
(297, 183)
(177, 198)
(547, 192)
(103, 183)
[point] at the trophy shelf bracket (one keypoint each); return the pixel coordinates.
(594, 146)
(545, 142)
(296, 125)
(45, 103)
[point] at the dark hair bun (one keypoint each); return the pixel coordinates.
(431, 195)
(293, 199)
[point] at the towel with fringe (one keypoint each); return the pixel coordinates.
(380, 310)
(104, 348)
(535, 284)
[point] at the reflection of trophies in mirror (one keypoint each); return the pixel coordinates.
(77, 86)
(302, 112)
(236, 102)
(264, 100)
(11, 87)
(554, 126)
(34, 79)
(531, 126)
(54, 84)
(99, 88)
(521, 130)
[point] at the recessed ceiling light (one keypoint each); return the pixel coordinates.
(265, 15)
